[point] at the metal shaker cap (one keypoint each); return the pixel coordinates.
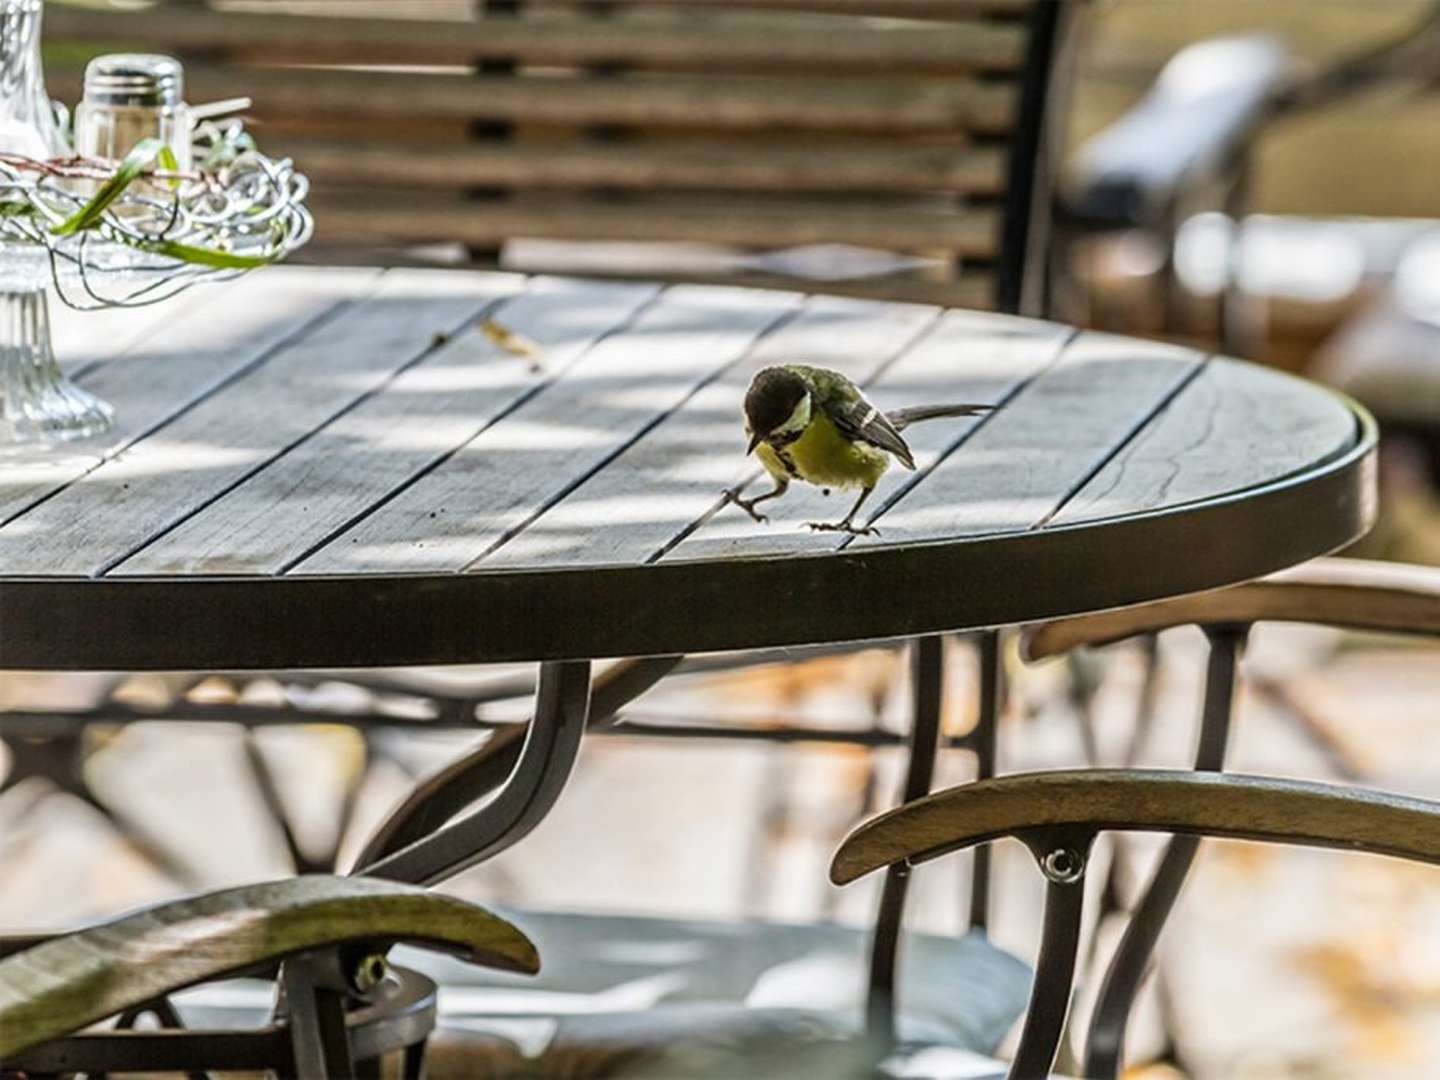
(139, 79)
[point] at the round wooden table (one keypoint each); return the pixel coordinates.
(333, 468)
(338, 468)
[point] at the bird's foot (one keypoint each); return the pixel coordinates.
(845, 526)
(748, 505)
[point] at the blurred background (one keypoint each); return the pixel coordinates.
(1278, 963)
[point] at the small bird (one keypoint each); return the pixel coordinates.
(813, 424)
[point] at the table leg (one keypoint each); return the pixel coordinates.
(928, 676)
(552, 741)
(529, 767)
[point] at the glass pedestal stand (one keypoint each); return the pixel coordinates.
(38, 403)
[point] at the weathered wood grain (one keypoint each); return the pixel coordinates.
(175, 365)
(734, 164)
(1022, 466)
(659, 487)
(160, 480)
(428, 412)
(749, 102)
(970, 357)
(391, 217)
(520, 466)
(695, 40)
(84, 339)
(1154, 800)
(1357, 594)
(1234, 426)
(69, 982)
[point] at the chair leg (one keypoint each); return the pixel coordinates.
(413, 1065)
(928, 676)
(983, 741)
(318, 1035)
(1062, 860)
(1105, 1041)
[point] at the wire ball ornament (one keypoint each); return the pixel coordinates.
(140, 231)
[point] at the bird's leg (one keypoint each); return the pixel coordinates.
(748, 505)
(847, 524)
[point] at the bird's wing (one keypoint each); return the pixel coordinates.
(858, 419)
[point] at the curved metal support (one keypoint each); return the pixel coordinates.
(1105, 1040)
(474, 775)
(544, 761)
(927, 680)
(1062, 857)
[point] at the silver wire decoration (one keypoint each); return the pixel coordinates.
(235, 202)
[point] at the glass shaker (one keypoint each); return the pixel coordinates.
(129, 97)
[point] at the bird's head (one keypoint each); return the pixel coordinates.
(777, 404)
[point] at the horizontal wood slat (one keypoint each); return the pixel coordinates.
(690, 41)
(735, 103)
(949, 10)
(374, 218)
(974, 290)
(734, 164)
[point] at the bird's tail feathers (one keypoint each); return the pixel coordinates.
(903, 418)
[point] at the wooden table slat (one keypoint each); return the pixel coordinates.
(1255, 414)
(1022, 465)
(428, 412)
(133, 499)
(515, 469)
(668, 481)
(175, 365)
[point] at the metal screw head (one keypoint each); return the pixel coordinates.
(1064, 866)
(369, 972)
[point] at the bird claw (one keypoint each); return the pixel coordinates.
(748, 505)
(842, 526)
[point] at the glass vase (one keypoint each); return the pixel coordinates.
(37, 402)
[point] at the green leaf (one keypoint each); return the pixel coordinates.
(223, 260)
(144, 155)
(168, 160)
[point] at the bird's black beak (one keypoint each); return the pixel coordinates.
(755, 441)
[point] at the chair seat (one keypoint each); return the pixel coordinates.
(650, 997)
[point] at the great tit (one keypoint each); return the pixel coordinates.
(813, 424)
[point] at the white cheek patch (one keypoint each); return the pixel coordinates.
(798, 418)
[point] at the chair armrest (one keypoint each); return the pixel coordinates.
(74, 980)
(1148, 800)
(1355, 594)
(1206, 103)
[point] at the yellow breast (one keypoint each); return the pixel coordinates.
(825, 458)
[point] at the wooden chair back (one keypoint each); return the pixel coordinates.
(1354, 594)
(915, 127)
(1057, 815)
